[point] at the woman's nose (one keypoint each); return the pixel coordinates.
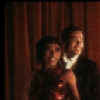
(52, 52)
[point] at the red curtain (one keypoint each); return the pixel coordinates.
(26, 22)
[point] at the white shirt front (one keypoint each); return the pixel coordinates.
(70, 62)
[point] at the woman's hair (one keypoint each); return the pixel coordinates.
(41, 46)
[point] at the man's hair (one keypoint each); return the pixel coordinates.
(41, 46)
(66, 33)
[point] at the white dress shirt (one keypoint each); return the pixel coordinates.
(70, 62)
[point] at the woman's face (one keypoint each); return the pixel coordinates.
(52, 55)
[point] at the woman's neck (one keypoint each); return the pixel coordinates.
(48, 67)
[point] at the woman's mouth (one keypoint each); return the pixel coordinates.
(52, 59)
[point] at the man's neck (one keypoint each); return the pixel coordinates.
(70, 56)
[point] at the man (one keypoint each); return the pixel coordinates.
(86, 70)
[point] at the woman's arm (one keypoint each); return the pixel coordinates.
(70, 80)
(26, 87)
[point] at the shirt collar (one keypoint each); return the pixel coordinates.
(65, 58)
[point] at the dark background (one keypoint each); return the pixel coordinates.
(26, 22)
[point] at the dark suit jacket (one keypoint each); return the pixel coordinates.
(88, 79)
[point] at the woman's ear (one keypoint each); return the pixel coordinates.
(63, 46)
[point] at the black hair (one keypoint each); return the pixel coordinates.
(66, 33)
(41, 46)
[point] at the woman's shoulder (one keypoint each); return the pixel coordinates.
(69, 76)
(37, 74)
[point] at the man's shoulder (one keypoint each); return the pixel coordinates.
(87, 60)
(88, 63)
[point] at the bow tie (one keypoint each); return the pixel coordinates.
(69, 62)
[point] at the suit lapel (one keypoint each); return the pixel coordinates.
(78, 70)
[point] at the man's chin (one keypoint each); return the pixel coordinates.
(77, 53)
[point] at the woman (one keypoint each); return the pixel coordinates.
(52, 81)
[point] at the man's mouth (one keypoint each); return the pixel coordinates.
(78, 49)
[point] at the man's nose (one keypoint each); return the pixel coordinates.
(79, 42)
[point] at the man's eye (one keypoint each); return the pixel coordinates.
(73, 40)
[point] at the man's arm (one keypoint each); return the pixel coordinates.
(95, 83)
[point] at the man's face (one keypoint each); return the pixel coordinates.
(75, 44)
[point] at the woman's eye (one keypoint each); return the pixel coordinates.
(58, 49)
(48, 50)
